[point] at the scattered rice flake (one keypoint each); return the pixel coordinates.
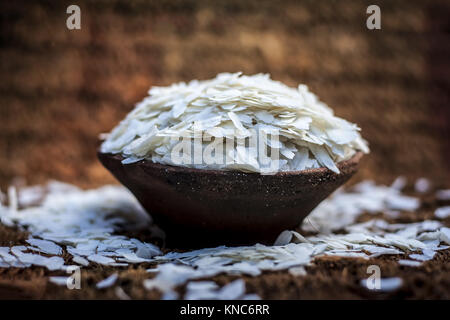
(399, 183)
(386, 284)
(6, 256)
(284, 238)
(2, 198)
(208, 290)
(420, 257)
(201, 290)
(409, 263)
(80, 260)
(92, 219)
(403, 203)
(12, 198)
(100, 259)
(108, 282)
(343, 207)
(4, 264)
(445, 235)
(46, 246)
(297, 271)
(121, 294)
(391, 284)
(233, 290)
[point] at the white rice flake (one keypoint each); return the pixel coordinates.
(60, 281)
(385, 285)
(232, 291)
(12, 198)
(284, 238)
(170, 275)
(46, 246)
(399, 183)
(55, 263)
(445, 235)
(81, 221)
(100, 259)
(52, 263)
(297, 271)
(121, 294)
(6, 256)
(2, 198)
(420, 257)
(208, 290)
(3, 264)
(409, 263)
(201, 290)
(80, 260)
(391, 284)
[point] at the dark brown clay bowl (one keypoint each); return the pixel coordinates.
(201, 208)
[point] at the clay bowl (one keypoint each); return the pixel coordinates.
(201, 208)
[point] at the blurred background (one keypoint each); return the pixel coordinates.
(60, 88)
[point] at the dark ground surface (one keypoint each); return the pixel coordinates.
(59, 89)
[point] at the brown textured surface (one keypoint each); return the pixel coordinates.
(206, 208)
(60, 88)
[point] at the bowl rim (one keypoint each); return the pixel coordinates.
(148, 163)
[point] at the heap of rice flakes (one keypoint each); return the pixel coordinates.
(231, 108)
